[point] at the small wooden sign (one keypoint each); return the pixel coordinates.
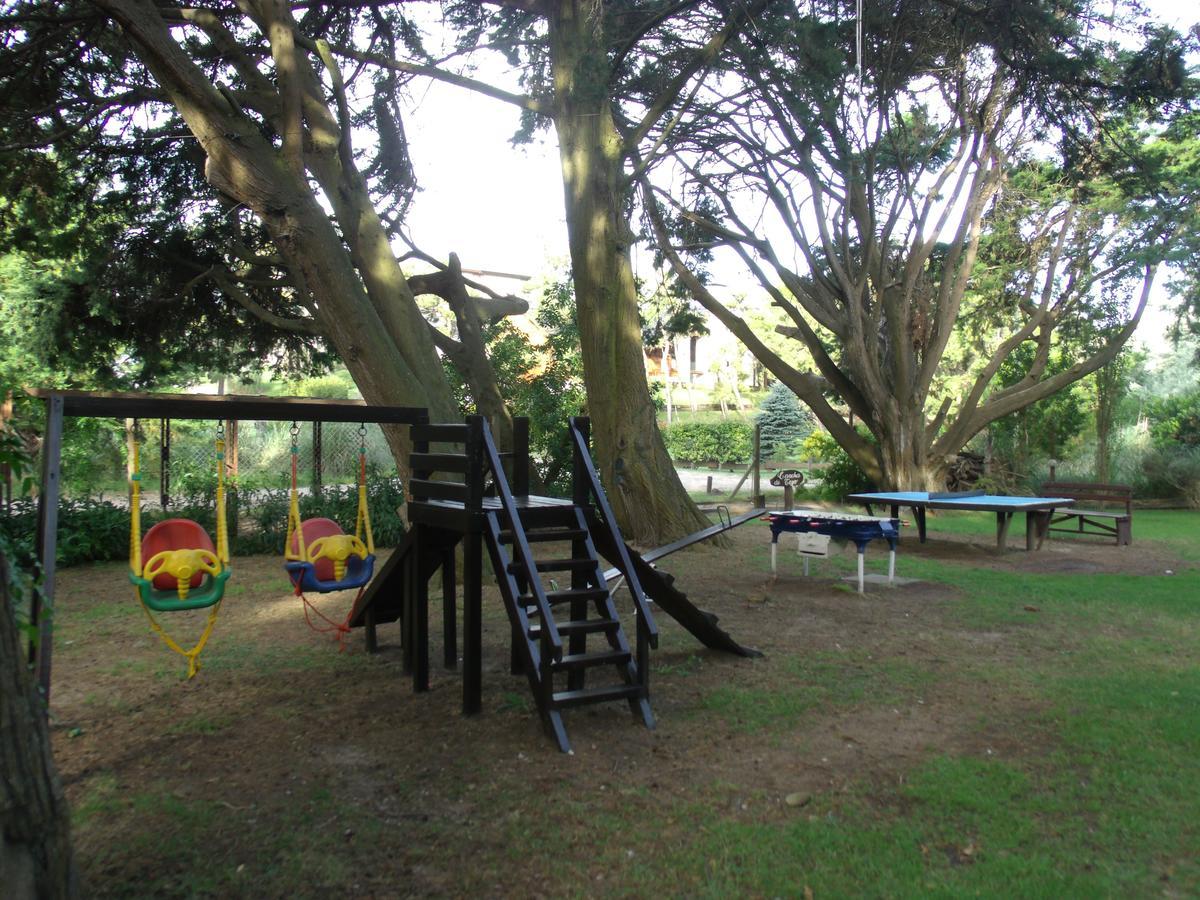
(792, 478)
(812, 544)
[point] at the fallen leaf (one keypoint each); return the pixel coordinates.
(800, 798)
(1032, 609)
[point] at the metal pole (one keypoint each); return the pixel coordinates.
(164, 455)
(755, 484)
(316, 449)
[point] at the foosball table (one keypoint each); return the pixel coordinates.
(826, 526)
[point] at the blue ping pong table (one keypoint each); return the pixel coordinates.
(1038, 510)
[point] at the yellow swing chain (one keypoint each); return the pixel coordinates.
(135, 505)
(222, 525)
(193, 654)
(362, 521)
(300, 554)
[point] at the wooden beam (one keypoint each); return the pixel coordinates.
(227, 406)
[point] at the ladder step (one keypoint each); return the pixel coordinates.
(555, 565)
(579, 626)
(557, 598)
(596, 695)
(560, 534)
(587, 660)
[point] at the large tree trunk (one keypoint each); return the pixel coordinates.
(640, 479)
(360, 298)
(35, 838)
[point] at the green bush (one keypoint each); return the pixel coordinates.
(1175, 471)
(1175, 420)
(730, 441)
(842, 474)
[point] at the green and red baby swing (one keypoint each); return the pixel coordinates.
(321, 558)
(182, 568)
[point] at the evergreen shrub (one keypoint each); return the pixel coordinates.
(729, 441)
(783, 420)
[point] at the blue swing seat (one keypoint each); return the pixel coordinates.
(317, 578)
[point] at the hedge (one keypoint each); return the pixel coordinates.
(730, 441)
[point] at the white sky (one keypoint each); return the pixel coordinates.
(500, 207)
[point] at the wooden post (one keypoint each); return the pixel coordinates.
(579, 481)
(473, 572)
(756, 495)
(419, 606)
(41, 611)
(520, 457)
(708, 488)
(787, 496)
(449, 610)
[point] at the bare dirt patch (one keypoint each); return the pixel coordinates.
(287, 767)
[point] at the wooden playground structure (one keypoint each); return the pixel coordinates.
(464, 490)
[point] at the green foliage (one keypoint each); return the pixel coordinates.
(842, 475)
(542, 382)
(16, 559)
(1175, 471)
(1043, 429)
(728, 441)
(1175, 420)
(335, 385)
(783, 421)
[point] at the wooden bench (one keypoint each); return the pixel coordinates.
(1115, 523)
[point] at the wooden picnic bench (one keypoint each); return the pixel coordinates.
(1114, 523)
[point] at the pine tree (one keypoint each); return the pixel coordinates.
(784, 421)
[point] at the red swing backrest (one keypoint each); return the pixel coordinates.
(314, 528)
(175, 534)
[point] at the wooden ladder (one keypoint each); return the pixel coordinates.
(542, 614)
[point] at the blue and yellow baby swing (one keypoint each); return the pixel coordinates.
(319, 557)
(183, 570)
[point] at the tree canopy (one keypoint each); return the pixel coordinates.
(994, 169)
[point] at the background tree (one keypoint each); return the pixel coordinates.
(882, 185)
(225, 136)
(603, 75)
(1111, 387)
(782, 421)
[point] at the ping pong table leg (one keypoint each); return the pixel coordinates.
(1002, 521)
(1036, 523)
(892, 564)
(774, 553)
(860, 569)
(806, 567)
(919, 513)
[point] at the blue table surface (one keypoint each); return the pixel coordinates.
(922, 497)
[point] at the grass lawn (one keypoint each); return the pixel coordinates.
(1012, 725)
